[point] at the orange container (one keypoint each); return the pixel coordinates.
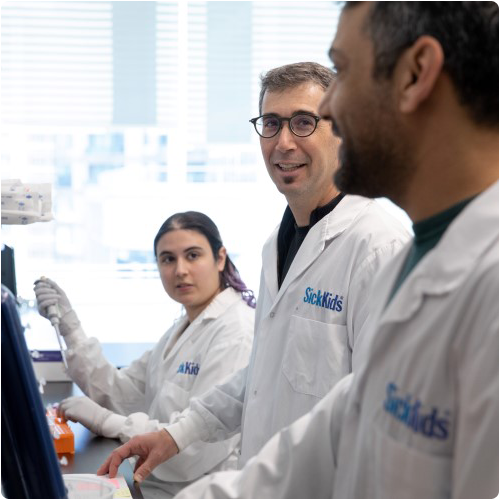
(64, 439)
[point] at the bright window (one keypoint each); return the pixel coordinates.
(134, 111)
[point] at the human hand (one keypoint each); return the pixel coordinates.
(82, 409)
(49, 293)
(152, 448)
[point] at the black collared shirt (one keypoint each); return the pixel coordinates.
(291, 236)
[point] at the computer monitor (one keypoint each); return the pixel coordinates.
(9, 269)
(30, 467)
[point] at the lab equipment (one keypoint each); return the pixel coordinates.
(49, 293)
(87, 486)
(53, 314)
(64, 439)
(30, 468)
(25, 203)
(92, 415)
(9, 269)
(48, 365)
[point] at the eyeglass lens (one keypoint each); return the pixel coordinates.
(301, 125)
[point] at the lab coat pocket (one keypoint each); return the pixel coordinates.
(169, 399)
(316, 356)
(406, 472)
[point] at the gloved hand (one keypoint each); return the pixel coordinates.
(99, 420)
(49, 293)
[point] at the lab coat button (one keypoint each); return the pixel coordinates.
(271, 315)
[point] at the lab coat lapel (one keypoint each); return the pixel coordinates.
(309, 251)
(174, 341)
(186, 336)
(325, 230)
(270, 261)
(446, 266)
(221, 302)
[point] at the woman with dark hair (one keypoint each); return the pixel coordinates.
(209, 342)
(196, 221)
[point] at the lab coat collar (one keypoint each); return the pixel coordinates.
(221, 302)
(288, 228)
(446, 266)
(218, 306)
(328, 228)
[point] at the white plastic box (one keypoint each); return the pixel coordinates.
(49, 365)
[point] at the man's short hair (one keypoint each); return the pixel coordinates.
(468, 34)
(292, 75)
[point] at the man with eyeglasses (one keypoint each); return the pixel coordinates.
(313, 300)
(417, 110)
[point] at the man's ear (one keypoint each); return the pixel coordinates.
(419, 70)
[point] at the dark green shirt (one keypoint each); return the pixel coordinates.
(428, 232)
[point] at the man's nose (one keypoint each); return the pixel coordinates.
(286, 139)
(324, 105)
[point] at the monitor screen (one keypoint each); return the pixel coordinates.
(30, 467)
(9, 269)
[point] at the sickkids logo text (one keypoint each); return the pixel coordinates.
(326, 300)
(189, 368)
(410, 411)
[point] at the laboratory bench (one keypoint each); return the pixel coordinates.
(90, 450)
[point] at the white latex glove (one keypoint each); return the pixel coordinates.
(49, 293)
(99, 420)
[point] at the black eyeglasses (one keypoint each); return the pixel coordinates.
(301, 124)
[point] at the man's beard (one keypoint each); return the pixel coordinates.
(288, 180)
(375, 167)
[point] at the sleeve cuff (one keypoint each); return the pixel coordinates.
(112, 425)
(74, 337)
(188, 430)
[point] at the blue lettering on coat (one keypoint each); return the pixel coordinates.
(189, 368)
(409, 411)
(327, 300)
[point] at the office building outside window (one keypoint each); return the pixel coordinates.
(134, 111)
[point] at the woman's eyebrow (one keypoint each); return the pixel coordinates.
(165, 252)
(192, 248)
(189, 249)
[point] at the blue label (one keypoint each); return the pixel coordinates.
(412, 412)
(327, 300)
(189, 368)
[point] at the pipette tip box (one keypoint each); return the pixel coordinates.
(64, 439)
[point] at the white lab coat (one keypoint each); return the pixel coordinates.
(303, 344)
(421, 418)
(157, 387)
